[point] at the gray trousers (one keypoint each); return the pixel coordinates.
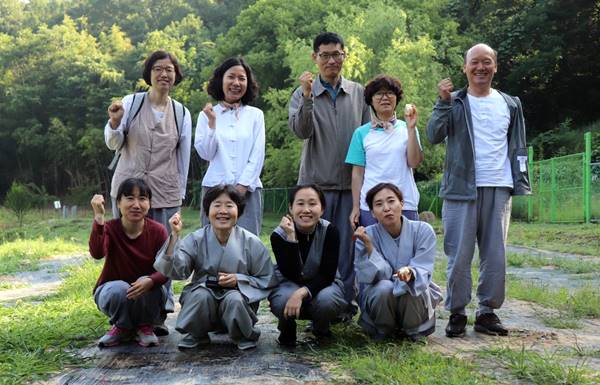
(337, 211)
(111, 299)
(162, 216)
(387, 313)
(251, 220)
(486, 222)
(201, 313)
(326, 306)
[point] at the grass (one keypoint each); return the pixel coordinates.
(36, 340)
(569, 265)
(566, 238)
(576, 303)
(542, 369)
(25, 255)
(394, 362)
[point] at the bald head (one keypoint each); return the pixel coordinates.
(481, 47)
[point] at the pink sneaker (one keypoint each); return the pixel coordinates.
(145, 336)
(113, 337)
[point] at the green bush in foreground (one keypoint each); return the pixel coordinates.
(36, 340)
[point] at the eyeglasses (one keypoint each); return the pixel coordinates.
(159, 69)
(380, 94)
(337, 56)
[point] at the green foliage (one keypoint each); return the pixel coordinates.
(19, 199)
(566, 238)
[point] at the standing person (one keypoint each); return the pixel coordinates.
(232, 272)
(129, 291)
(325, 113)
(384, 150)
(306, 248)
(394, 265)
(231, 136)
(486, 163)
(153, 134)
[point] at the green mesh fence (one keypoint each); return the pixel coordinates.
(558, 186)
(595, 191)
(275, 200)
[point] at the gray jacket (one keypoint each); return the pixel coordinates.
(327, 128)
(452, 121)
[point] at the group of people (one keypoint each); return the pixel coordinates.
(352, 238)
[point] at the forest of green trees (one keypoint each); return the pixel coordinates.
(63, 61)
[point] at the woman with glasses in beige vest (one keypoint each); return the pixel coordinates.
(153, 134)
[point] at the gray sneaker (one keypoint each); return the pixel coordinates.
(189, 341)
(245, 344)
(113, 337)
(145, 336)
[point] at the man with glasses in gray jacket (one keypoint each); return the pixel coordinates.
(486, 163)
(325, 112)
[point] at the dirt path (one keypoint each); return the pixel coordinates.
(223, 363)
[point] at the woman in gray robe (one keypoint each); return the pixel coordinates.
(232, 272)
(394, 264)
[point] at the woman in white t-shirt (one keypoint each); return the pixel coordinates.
(384, 150)
(231, 136)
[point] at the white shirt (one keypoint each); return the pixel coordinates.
(491, 118)
(383, 154)
(235, 148)
(114, 138)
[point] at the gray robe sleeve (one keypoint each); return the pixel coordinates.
(256, 284)
(424, 242)
(181, 264)
(370, 269)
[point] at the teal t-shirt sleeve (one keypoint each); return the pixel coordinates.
(356, 150)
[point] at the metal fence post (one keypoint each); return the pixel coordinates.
(553, 190)
(587, 178)
(530, 197)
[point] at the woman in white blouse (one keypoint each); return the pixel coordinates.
(231, 136)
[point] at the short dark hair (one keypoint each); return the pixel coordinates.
(215, 83)
(325, 38)
(292, 193)
(380, 82)
(159, 55)
(129, 185)
(227, 189)
(381, 186)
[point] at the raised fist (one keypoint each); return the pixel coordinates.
(115, 113)
(445, 88)
(306, 80)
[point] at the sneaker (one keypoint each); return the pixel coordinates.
(456, 325)
(113, 337)
(161, 330)
(145, 336)
(189, 341)
(489, 323)
(246, 344)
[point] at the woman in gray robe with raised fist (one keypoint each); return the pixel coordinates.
(232, 273)
(394, 263)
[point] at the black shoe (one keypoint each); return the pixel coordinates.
(489, 323)
(456, 325)
(161, 330)
(287, 337)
